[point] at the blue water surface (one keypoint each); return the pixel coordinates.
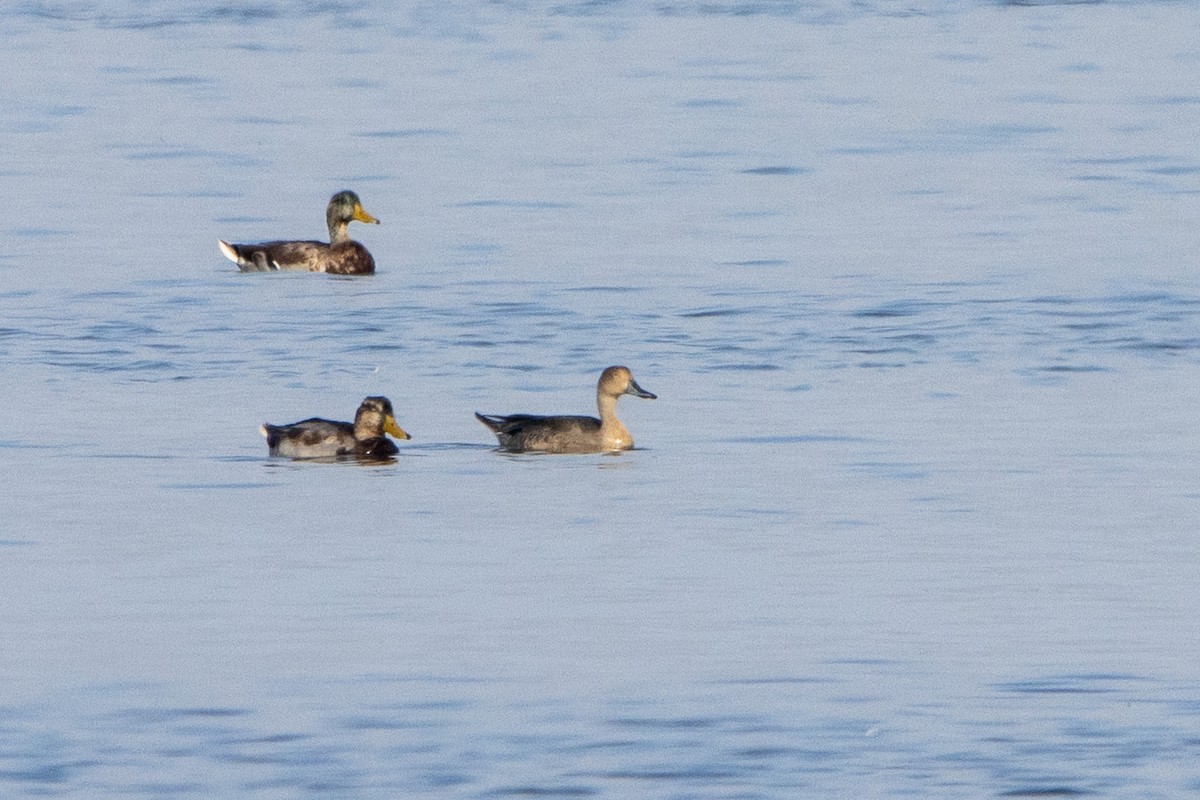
(915, 512)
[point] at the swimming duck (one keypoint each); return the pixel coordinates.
(342, 256)
(521, 432)
(323, 438)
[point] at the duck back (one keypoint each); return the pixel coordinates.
(310, 438)
(558, 434)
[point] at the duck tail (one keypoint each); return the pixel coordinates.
(230, 251)
(491, 422)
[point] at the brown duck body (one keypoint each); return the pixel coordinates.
(323, 438)
(342, 256)
(572, 434)
(551, 434)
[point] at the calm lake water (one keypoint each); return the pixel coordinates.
(916, 513)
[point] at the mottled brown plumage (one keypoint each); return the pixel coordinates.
(342, 256)
(572, 434)
(322, 438)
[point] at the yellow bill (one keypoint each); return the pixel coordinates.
(390, 426)
(361, 215)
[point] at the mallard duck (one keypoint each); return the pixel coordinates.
(342, 256)
(323, 438)
(565, 434)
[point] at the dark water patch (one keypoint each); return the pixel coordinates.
(260, 120)
(1089, 326)
(358, 83)
(87, 363)
(130, 456)
(780, 752)
(409, 133)
(898, 308)
(881, 351)
(242, 219)
(209, 712)
(704, 154)
(544, 791)
(518, 308)
(39, 232)
(165, 789)
(757, 262)
(744, 367)
(1159, 347)
(1054, 300)
(520, 205)
(916, 337)
(378, 347)
(783, 680)
(48, 773)
(793, 439)
(761, 515)
(716, 312)
(1072, 368)
(253, 759)
(487, 365)
(764, 213)
(713, 102)
(866, 662)
(179, 80)
(604, 289)
(67, 110)
(776, 170)
(1065, 684)
(667, 723)
(446, 779)
(1175, 170)
(274, 738)
(1118, 161)
(688, 774)
(1176, 100)
(378, 723)
(20, 444)
(204, 487)
(161, 15)
(1046, 791)
(895, 470)
(601, 746)
(223, 158)
(117, 329)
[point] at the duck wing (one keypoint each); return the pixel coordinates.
(556, 434)
(310, 438)
(297, 256)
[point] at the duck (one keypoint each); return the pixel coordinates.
(518, 433)
(342, 256)
(322, 438)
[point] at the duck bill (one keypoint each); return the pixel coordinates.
(361, 215)
(390, 426)
(638, 391)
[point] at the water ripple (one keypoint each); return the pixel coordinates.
(398, 743)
